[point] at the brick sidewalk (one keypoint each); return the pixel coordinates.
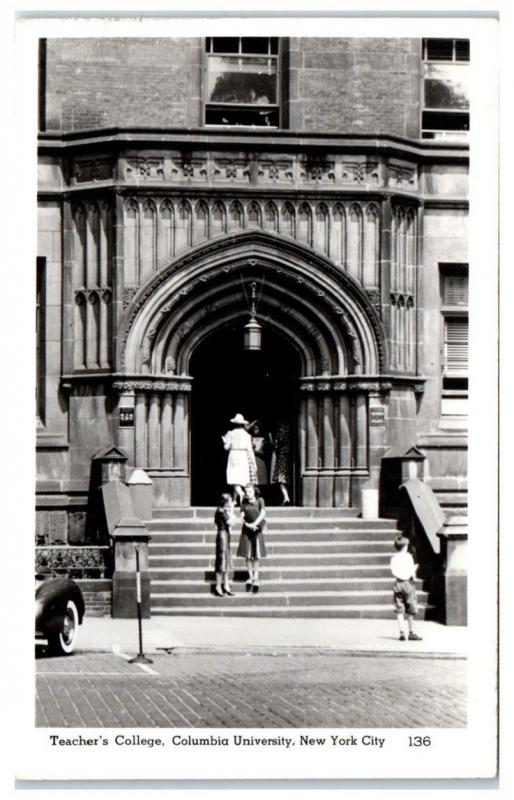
(223, 691)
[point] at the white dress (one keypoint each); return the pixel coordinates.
(241, 468)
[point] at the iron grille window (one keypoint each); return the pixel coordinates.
(445, 90)
(242, 81)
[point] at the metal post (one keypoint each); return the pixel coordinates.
(140, 658)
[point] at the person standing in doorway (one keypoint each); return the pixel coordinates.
(280, 461)
(251, 543)
(260, 444)
(241, 467)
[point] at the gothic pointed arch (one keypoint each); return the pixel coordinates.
(311, 301)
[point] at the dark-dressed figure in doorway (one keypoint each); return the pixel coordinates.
(261, 447)
(280, 462)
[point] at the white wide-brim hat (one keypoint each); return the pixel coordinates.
(239, 420)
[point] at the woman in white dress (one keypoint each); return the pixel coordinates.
(241, 467)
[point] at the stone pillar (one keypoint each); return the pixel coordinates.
(140, 430)
(140, 486)
(361, 414)
(326, 478)
(342, 479)
(167, 431)
(153, 431)
(126, 405)
(128, 535)
(310, 476)
(180, 432)
(68, 308)
(454, 540)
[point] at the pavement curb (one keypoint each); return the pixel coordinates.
(181, 650)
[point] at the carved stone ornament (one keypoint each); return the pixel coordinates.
(128, 293)
(374, 297)
(419, 388)
(402, 176)
(98, 169)
(145, 168)
(170, 365)
(136, 384)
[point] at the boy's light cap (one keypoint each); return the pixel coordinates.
(400, 541)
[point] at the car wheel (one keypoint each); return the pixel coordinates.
(63, 643)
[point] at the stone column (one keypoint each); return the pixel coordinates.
(386, 243)
(126, 404)
(361, 412)
(68, 304)
(326, 479)
(140, 431)
(153, 431)
(167, 431)
(344, 452)
(180, 433)
(310, 475)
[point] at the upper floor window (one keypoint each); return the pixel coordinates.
(445, 90)
(454, 307)
(242, 81)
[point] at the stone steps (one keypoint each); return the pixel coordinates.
(321, 563)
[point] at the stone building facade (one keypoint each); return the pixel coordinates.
(336, 184)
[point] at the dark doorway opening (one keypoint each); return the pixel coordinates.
(260, 385)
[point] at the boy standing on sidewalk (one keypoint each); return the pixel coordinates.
(404, 590)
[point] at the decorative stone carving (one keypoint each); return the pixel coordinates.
(360, 172)
(231, 170)
(276, 171)
(137, 384)
(93, 169)
(128, 293)
(374, 298)
(145, 168)
(170, 365)
(317, 172)
(190, 168)
(402, 176)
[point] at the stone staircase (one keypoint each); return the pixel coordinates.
(322, 562)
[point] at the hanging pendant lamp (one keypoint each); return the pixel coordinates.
(252, 329)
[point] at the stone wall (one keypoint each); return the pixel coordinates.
(338, 85)
(97, 83)
(355, 85)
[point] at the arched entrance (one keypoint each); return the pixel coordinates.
(323, 355)
(261, 385)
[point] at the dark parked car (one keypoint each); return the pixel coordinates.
(60, 610)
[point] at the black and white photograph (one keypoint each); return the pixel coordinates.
(255, 547)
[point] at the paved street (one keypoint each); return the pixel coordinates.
(215, 690)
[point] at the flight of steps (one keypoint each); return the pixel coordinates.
(321, 562)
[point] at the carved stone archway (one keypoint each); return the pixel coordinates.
(320, 309)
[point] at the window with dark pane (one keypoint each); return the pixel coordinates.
(445, 98)
(242, 81)
(455, 351)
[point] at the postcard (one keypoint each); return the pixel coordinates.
(261, 256)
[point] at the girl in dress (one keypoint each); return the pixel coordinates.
(224, 518)
(241, 468)
(251, 543)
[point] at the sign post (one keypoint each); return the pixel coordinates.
(140, 658)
